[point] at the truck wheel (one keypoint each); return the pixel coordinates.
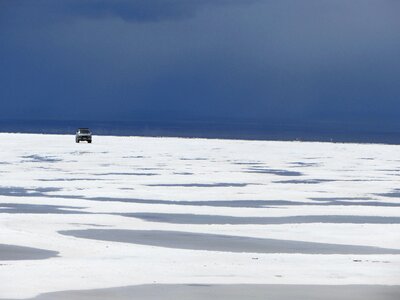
(89, 142)
(77, 141)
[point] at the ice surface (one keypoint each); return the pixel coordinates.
(229, 198)
(218, 242)
(231, 292)
(11, 252)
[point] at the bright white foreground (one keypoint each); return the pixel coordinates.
(31, 162)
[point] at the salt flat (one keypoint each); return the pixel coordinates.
(132, 211)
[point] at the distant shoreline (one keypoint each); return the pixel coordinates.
(211, 130)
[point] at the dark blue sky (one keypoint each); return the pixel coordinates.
(261, 60)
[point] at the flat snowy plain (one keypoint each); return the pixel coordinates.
(172, 218)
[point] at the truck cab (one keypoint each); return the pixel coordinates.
(83, 134)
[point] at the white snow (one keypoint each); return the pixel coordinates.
(54, 170)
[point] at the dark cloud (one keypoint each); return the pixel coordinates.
(143, 11)
(285, 61)
(127, 10)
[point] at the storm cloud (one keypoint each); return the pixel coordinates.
(285, 61)
(143, 11)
